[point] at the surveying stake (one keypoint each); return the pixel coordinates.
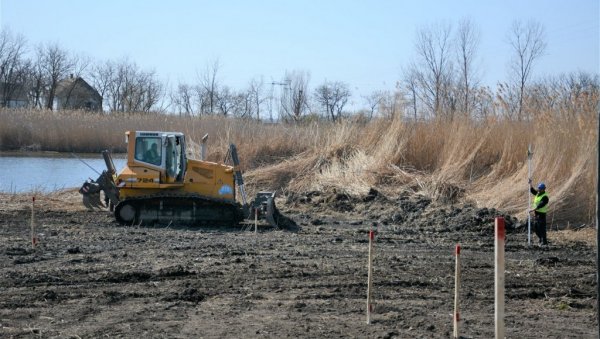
(456, 291)
(255, 220)
(499, 243)
(33, 238)
(370, 276)
(529, 156)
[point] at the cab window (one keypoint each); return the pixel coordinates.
(148, 149)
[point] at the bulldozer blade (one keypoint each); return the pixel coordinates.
(264, 207)
(276, 219)
(272, 214)
(92, 201)
(91, 192)
(91, 195)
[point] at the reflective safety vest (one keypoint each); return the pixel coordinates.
(537, 200)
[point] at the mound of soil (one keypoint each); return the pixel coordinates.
(406, 210)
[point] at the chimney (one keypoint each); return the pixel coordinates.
(71, 75)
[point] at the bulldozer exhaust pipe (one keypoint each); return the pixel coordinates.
(203, 147)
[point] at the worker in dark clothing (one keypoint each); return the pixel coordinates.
(540, 209)
(152, 155)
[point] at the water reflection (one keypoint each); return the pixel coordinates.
(48, 173)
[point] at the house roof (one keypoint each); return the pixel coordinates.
(17, 91)
(66, 87)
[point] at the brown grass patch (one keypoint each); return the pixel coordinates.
(63, 200)
(586, 235)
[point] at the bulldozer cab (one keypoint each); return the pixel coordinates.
(161, 151)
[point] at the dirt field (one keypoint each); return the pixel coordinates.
(90, 277)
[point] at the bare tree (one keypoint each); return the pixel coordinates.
(130, 89)
(55, 64)
(528, 44)
(294, 101)
(567, 95)
(225, 100)
(183, 99)
(13, 66)
(35, 84)
(101, 76)
(374, 101)
(115, 86)
(244, 104)
(433, 47)
(152, 91)
(411, 84)
(200, 99)
(210, 86)
(467, 42)
(256, 96)
(144, 91)
(333, 97)
(581, 88)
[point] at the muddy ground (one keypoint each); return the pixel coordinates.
(90, 277)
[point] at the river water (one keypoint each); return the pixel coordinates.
(20, 174)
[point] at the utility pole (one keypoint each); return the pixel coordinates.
(286, 84)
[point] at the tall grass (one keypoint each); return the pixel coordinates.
(464, 160)
(85, 132)
(481, 162)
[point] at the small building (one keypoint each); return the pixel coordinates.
(13, 95)
(76, 93)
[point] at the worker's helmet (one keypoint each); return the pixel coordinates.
(541, 186)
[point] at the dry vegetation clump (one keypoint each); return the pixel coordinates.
(586, 236)
(63, 200)
(464, 160)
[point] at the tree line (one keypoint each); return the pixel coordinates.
(442, 81)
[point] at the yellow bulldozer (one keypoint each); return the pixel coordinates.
(160, 185)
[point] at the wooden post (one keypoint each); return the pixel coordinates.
(255, 220)
(33, 239)
(456, 291)
(370, 277)
(499, 278)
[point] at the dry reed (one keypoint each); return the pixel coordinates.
(464, 160)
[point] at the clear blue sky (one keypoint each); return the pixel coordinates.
(363, 43)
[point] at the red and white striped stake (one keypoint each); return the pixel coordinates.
(499, 277)
(33, 239)
(456, 291)
(370, 277)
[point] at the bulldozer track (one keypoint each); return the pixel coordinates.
(172, 208)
